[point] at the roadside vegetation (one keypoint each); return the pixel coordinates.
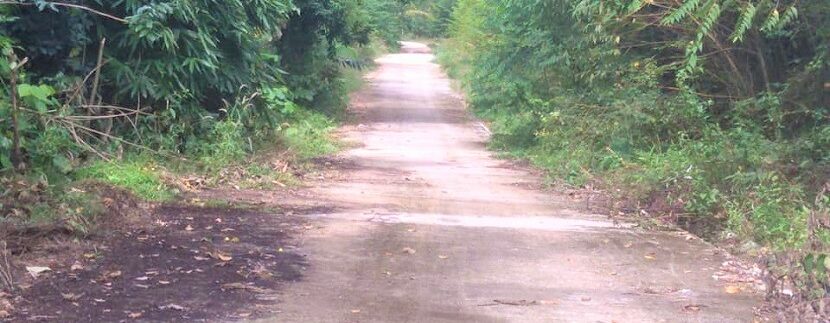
(151, 98)
(714, 115)
(710, 114)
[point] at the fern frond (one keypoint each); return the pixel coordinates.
(681, 12)
(789, 16)
(635, 6)
(712, 15)
(772, 21)
(744, 23)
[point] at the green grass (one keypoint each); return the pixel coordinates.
(352, 79)
(310, 135)
(140, 177)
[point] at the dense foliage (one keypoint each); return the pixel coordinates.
(197, 77)
(109, 90)
(427, 18)
(700, 111)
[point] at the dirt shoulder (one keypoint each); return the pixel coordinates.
(189, 263)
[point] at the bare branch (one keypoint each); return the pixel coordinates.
(69, 5)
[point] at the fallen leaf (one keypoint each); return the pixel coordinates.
(113, 274)
(443, 257)
(408, 250)
(628, 244)
(172, 306)
(355, 311)
(4, 314)
(649, 256)
(76, 266)
(651, 291)
(244, 287)
(732, 289)
(135, 315)
(188, 228)
(691, 308)
(35, 271)
(216, 254)
(71, 297)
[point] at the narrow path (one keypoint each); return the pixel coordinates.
(432, 228)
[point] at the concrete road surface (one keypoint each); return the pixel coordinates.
(430, 227)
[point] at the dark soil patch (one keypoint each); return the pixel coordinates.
(334, 162)
(191, 264)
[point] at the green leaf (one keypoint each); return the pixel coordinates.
(5, 162)
(5, 143)
(41, 92)
(63, 164)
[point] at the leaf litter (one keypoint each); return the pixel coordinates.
(139, 276)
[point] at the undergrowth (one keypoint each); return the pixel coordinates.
(713, 117)
(139, 176)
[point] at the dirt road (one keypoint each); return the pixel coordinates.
(432, 228)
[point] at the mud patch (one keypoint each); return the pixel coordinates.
(191, 264)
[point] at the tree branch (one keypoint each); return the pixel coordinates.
(69, 5)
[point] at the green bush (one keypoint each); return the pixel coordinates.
(203, 73)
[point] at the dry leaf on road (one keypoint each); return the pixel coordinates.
(216, 254)
(230, 286)
(71, 297)
(172, 306)
(35, 271)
